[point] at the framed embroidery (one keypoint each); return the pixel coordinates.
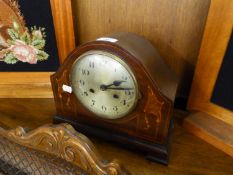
(17, 42)
(35, 37)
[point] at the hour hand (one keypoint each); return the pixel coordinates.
(115, 83)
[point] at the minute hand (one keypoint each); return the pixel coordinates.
(119, 88)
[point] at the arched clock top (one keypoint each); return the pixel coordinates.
(147, 118)
(150, 58)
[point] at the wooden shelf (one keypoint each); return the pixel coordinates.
(189, 154)
(25, 85)
(211, 130)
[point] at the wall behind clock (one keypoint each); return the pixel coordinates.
(174, 27)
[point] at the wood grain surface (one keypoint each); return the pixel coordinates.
(25, 85)
(212, 123)
(212, 130)
(64, 29)
(217, 33)
(189, 154)
(174, 27)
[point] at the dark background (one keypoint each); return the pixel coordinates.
(37, 13)
(223, 90)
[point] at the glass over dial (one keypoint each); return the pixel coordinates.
(104, 84)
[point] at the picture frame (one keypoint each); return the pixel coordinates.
(208, 120)
(37, 84)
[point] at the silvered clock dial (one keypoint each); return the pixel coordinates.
(104, 84)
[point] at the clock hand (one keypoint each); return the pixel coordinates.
(115, 83)
(117, 88)
(118, 83)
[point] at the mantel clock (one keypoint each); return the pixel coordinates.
(118, 88)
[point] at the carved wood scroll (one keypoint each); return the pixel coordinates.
(63, 141)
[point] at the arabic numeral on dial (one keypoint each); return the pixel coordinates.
(85, 72)
(128, 92)
(124, 102)
(93, 102)
(82, 82)
(85, 93)
(115, 108)
(91, 64)
(103, 108)
(125, 78)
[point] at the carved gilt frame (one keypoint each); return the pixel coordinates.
(37, 84)
(64, 142)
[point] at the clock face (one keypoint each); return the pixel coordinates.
(104, 84)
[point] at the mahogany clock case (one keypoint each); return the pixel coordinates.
(147, 127)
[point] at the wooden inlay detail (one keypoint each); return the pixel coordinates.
(153, 106)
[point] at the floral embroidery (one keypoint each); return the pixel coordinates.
(26, 47)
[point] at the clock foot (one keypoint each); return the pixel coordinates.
(164, 154)
(154, 158)
(154, 152)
